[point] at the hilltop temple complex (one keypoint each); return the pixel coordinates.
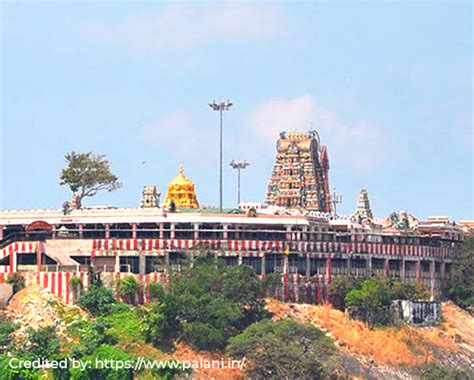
(293, 235)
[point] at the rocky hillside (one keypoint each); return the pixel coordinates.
(391, 353)
(388, 353)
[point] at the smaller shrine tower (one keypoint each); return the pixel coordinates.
(300, 174)
(363, 210)
(181, 191)
(150, 197)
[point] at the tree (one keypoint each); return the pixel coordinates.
(283, 349)
(86, 174)
(206, 306)
(461, 285)
(97, 300)
(371, 296)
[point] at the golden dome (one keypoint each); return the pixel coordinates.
(181, 191)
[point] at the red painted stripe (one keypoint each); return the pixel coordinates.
(53, 282)
(60, 284)
(68, 277)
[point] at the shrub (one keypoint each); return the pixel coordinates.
(156, 291)
(103, 353)
(16, 280)
(41, 343)
(97, 300)
(6, 330)
(128, 289)
(283, 349)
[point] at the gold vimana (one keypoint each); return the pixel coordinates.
(181, 191)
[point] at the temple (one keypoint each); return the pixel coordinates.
(181, 191)
(294, 237)
(300, 174)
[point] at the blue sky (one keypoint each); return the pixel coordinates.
(388, 85)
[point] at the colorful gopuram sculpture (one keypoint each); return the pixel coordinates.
(150, 197)
(300, 174)
(363, 210)
(181, 191)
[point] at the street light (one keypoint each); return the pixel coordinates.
(222, 106)
(239, 165)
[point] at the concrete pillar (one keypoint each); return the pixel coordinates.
(288, 233)
(81, 231)
(225, 233)
(239, 258)
(285, 264)
(387, 267)
(142, 263)
(418, 270)
(349, 266)
(263, 266)
(402, 269)
(308, 265)
(107, 231)
(161, 228)
(172, 234)
(443, 270)
(134, 230)
(432, 279)
(1, 232)
(369, 265)
(117, 264)
(196, 231)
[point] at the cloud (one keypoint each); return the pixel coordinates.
(359, 145)
(187, 26)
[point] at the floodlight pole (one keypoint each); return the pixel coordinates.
(239, 165)
(222, 106)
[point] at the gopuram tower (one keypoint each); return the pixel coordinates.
(300, 174)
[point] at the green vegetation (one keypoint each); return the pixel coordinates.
(76, 285)
(16, 280)
(436, 372)
(156, 291)
(86, 174)
(341, 286)
(461, 286)
(374, 295)
(206, 306)
(128, 289)
(97, 300)
(283, 350)
(6, 338)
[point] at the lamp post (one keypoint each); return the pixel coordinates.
(222, 106)
(239, 165)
